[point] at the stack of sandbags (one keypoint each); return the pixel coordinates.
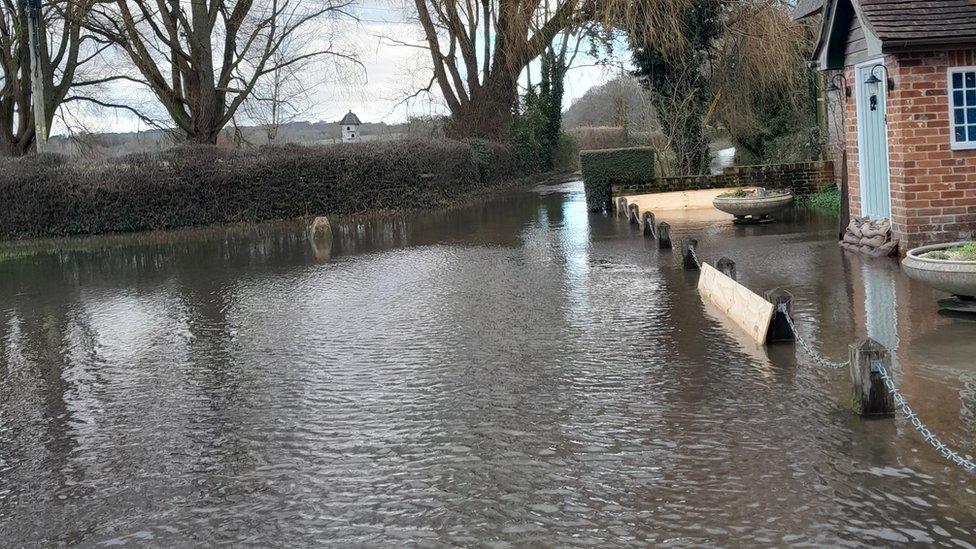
(870, 236)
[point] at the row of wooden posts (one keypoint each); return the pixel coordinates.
(870, 397)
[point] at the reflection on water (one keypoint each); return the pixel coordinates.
(513, 372)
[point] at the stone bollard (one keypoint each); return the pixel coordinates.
(621, 206)
(727, 267)
(779, 327)
(320, 237)
(870, 397)
(648, 224)
(689, 250)
(634, 214)
(320, 229)
(664, 236)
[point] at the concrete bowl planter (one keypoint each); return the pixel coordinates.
(753, 205)
(958, 277)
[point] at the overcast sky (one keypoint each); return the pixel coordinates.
(375, 91)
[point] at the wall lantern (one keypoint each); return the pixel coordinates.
(837, 83)
(873, 83)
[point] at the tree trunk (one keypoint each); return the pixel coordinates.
(16, 136)
(14, 148)
(203, 136)
(488, 113)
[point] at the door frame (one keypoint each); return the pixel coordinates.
(858, 88)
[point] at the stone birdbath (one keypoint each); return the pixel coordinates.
(753, 205)
(947, 267)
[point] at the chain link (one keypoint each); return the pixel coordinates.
(817, 357)
(896, 395)
(929, 437)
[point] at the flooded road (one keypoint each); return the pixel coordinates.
(516, 372)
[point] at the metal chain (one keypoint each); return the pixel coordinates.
(817, 357)
(899, 399)
(929, 437)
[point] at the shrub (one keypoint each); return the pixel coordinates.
(567, 153)
(493, 160)
(630, 166)
(594, 138)
(48, 195)
(827, 199)
(591, 138)
(530, 143)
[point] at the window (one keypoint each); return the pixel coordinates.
(962, 107)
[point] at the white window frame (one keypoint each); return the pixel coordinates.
(957, 145)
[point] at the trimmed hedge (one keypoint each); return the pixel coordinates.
(51, 195)
(601, 169)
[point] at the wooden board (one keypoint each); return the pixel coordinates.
(677, 200)
(745, 308)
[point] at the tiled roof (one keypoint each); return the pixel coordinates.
(921, 22)
(350, 119)
(806, 8)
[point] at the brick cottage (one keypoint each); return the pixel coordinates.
(903, 77)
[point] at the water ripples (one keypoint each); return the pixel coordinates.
(549, 381)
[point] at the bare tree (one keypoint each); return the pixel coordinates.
(480, 47)
(738, 63)
(203, 58)
(278, 100)
(63, 50)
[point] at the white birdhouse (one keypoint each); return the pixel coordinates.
(350, 127)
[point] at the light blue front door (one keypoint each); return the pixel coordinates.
(872, 143)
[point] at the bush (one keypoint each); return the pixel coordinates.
(530, 143)
(51, 195)
(594, 138)
(494, 161)
(827, 199)
(567, 153)
(630, 166)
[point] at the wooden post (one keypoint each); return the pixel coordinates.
(727, 267)
(648, 224)
(688, 248)
(779, 327)
(869, 396)
(621, 206)
(664, 236)
(634, 214)
(38, 93)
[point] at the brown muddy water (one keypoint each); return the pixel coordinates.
(511, 373)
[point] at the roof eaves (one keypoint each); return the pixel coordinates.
(807, 8)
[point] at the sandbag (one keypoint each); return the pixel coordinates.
(874, 242)
(876, 228)
(890, 248)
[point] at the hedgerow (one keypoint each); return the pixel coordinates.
(601, 169)
(51, 195)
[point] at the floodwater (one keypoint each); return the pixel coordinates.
(516, 372)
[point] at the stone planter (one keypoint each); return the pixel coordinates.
(955, 277)
(755, 207)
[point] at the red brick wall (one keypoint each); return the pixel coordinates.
(802, 177)
(933, 188)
